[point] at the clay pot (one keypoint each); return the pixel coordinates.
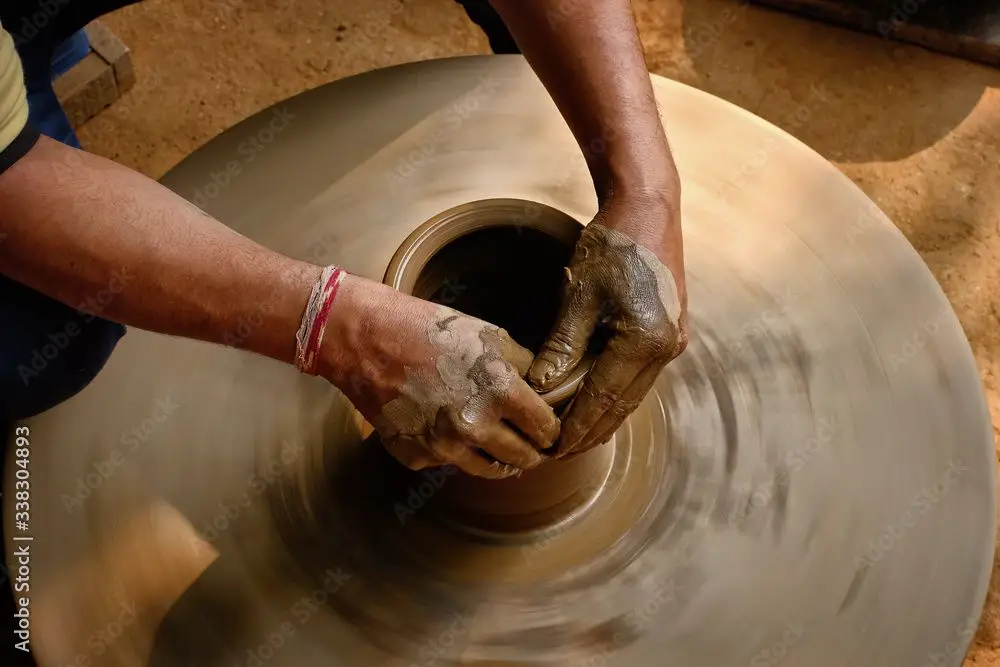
(503, 260)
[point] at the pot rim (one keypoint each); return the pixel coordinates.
(452, 224)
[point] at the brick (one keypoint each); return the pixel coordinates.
(98, 80)
(113, 50)
(86, 89)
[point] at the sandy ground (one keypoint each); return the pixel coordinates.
(919, 132)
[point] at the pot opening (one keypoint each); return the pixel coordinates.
(508, 276)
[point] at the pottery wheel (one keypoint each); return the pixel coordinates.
(811, 483)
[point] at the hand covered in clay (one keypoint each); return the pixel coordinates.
(438, 386)
(627, 273)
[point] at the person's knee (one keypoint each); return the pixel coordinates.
(50, 354)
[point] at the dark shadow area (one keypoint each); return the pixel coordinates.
(481, 13)
(968, 29)
(474, 275)
(851, 96)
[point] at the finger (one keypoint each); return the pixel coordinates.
(517, 356)
(598, 399)
(472, 461)
(632, 397)
(566, 345)
(411, 453)
(530, 415)
(507, 446)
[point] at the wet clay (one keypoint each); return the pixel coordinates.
(612, 282)
(455, 412)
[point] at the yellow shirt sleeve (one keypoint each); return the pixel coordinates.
(13, 99)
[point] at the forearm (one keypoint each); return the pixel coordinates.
(100, 237)
(589, 57)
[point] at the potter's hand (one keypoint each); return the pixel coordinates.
(627, 273)
(438, 386)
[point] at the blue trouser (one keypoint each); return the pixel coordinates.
(46, 114)
(48, 351)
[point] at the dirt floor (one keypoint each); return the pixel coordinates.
(919, 132)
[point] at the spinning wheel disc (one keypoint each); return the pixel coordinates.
(811, 483)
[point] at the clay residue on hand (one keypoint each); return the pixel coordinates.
(615, 281)
(490, 374)
(623, 271)
(631, 254)
(457, 405)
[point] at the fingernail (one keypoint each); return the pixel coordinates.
(535, 461)
(542, 371)
(503, 470)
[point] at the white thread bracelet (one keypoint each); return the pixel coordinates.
(314, 320)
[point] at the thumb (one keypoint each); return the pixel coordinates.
(518, 357)
(568, 341)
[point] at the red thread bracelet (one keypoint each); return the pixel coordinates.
(314, 320)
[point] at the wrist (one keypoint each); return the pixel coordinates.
(651, 217)
(639, 161)
(345, 328)
(654, 184)
(661, 197)
(262, 315)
